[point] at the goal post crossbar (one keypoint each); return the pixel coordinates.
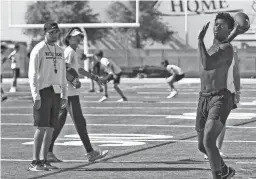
(83, 25)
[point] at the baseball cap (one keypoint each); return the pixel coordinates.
(76, 32)
(49, 26)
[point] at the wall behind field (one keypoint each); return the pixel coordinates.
(187, 60)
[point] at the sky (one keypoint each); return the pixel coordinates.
(195, 23)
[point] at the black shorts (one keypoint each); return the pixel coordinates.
(179, 77)
(216, 106)
(47, 115)
(118, 78)
(16, 72)
(96, 68)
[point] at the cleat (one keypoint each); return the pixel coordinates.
(230, 173)
(172, 94)
(47, 165)
(223, 155)
(104, 98)
(95, 155)
(52, 158)
(122, 99)
(100, 91)
(4, 98)
(13, 89)
(37, 166)
(91, 91)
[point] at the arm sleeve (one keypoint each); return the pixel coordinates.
(33, 72)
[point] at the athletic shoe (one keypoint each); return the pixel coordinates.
(122, 99)
(221, 154)
(104, 98)
(37, 166)
(230, 172)
(172, 94)
(4, 98)
(100, 91)
(47, 165)
(95, 155)
(13, 89)
(91, 91)
(52, 158)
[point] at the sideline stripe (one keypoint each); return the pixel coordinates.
(132, 125)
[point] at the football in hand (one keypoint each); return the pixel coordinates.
(243, 22)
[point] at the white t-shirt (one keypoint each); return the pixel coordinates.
(15, 57)
(174, 69)
(41, 72)
(110, 66)
(71, 59)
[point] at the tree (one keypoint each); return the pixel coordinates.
(62, 12)
(151, 27)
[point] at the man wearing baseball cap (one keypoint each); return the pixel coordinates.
(47, 79)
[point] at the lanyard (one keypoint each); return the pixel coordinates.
(53, 57)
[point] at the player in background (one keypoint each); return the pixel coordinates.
(3, 59)
(114, 72)
(15, 57)
(176, 75)
(72, 39)
(95, 68)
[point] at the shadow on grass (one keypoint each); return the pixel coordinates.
(113, 157)
(116, 169)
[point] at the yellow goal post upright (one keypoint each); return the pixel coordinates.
(83, 26)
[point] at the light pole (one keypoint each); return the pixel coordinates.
(186, 21)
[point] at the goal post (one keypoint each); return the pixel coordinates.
(83, 27)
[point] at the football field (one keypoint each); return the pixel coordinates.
(148, 137)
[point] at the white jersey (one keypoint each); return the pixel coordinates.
(110, 66)
(174, 69)
(41, 71)
(71, 59)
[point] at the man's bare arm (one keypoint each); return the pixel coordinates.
(217, 59)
